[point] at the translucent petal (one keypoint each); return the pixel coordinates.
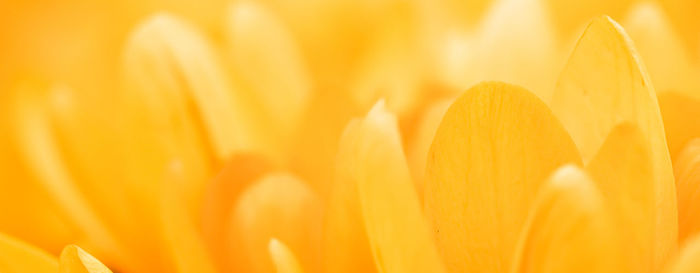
(398, 233)
(283, 258)
(569, 229)
(623, 170)
(494, 148)
(605, 83)
(75, 260)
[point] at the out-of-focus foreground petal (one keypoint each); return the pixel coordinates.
(569, 229)
(421, 139)
(75, 260)
(494, 148)
(604, 83)
(688, 260)
(391, 209)
(17, 256)
(623, 171)
(687, 171)
(283, 258)
(280, 206)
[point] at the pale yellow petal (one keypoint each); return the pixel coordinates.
(494, 148)
(681, 124)
(267, 61)
(663, 51)
(75, 260)
(569, 229)
(605, 83)
(279, 206)
(397, 230)
(345, 244)
(17, 256)
(687, 171)
(623, 171)
(688, 260)
(283, 258)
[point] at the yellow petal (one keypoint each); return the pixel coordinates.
(662, 50)
(424, 132)
(688, 260)
(283, 258)
(179, 218)
(398, 233)
(494, 148)
(262, 48)
(680, 114)
(345, 244)
(605, 83)
(169, 63)
(569, 229)
(75, 260)
(276, 206)
(623, 171)
(687, 171)
(17, 256)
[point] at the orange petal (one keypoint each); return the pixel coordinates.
(569, 229)
(283, 258)
(276, 206)
(680, 114)
(494, 148)
(623, 171)
(604, 83)
(687, 171)
(76, 260)
(689, 259)
(17, 256)
(398, 233)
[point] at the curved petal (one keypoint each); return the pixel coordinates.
(398, 233)
(276, 206)
(605, 83)
(283, 258)
(680, 114)
(494, 148)
(569, 229)
(423, 134)
(17, 256)
(623, 171)
(75, 260)
(687, 171)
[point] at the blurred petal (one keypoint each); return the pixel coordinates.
(423, 135)
(76, 260)
(680, 114)
(267, 61)
(687, 171)
(569, 229)
(605, 83)
(179, 219)
(494, 148)
(688, 260)
(345, 243)
(17, 256)
(623, 170)
(283, 258)
(665, 55)
(396, 228)
(220, 197)
(276, 206)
